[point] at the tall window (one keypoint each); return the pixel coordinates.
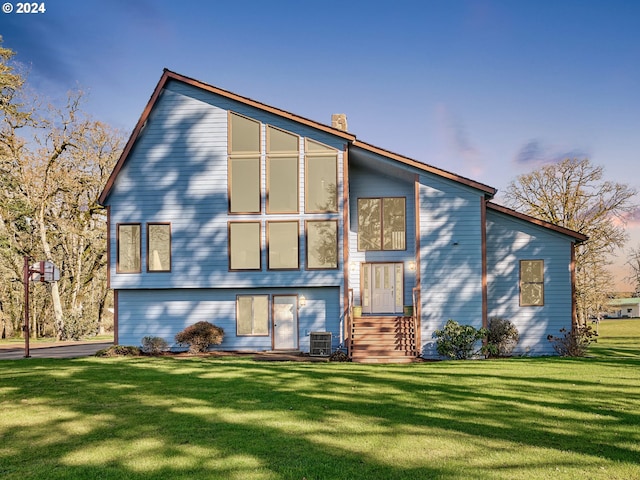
(128, 239)
(531, 283)
(282, 171)
(283, 245)
(244, 246)
(244, 164)
(321, 178)
(381, 223)
(322, 244)
(252, 315)
(159, 247)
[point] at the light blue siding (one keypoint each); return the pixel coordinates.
(365, 182)
(510, 240)
(163, 313)
(450, 257)
(177, 173)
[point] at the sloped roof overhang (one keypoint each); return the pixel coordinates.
(486, 189)
(578, 237)
(167, 76)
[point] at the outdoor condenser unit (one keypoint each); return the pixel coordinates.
(320, 344)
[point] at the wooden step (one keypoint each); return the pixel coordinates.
(383, 339)
(383, 359)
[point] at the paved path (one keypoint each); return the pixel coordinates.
(54, 350)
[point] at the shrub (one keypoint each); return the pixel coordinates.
(76, 326)
(119, 351)
(458, 341)
(154, 345)
(574, 343)
(502, 338)
(338, 356)
(199, 336)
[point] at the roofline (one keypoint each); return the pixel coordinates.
(132, 138)
(579, 237)
(489, 191)
(168, 75)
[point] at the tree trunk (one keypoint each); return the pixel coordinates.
(55, 292)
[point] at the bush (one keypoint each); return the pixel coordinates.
(458, 341)
(76, 327)
(502, 338)
(199, 336)
(574, 343)
(119, 351)
(154, 345)
(338, 356)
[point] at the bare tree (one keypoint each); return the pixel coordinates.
(53, 164)
(574, 194)
(633, 260)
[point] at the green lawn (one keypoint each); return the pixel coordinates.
(235, 418)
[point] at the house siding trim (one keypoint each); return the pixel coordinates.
(483, 247)
(574, 299)
(418, 282)
(109, 246)
(115, 317)
(345, 243)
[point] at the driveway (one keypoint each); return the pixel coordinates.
(56, 350)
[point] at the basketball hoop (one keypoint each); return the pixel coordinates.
(44, 272)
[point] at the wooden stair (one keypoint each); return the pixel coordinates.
(383, 339)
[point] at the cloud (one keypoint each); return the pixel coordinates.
(535, 153)
(632, 219)
(459, 142)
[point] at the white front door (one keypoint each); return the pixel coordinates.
(382, 288)
(285, 322)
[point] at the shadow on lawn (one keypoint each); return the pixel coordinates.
(235, 418)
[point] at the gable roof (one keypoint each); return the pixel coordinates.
(579, 237)
(168, 75)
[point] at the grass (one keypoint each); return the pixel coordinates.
(235, 418)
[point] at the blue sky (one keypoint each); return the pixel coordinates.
(488, 89)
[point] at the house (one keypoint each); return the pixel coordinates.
(295, 235)
(624, 307)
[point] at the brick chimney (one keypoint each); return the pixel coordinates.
(339, 121)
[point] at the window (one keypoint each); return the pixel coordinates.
(252, 315)
(244, 135)
(128, 240)
(321, 178)
(283, 245)
(381, 224)
(322, 244)
(531, 283)
(159, 247)
(244, 246)
(244, 164)
(282, 171)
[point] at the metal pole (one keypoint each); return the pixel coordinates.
(26, 307)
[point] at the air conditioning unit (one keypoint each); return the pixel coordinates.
(320, 344)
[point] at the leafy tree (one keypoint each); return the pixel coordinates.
(574, 194)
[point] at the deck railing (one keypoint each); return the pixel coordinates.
(415, 318)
